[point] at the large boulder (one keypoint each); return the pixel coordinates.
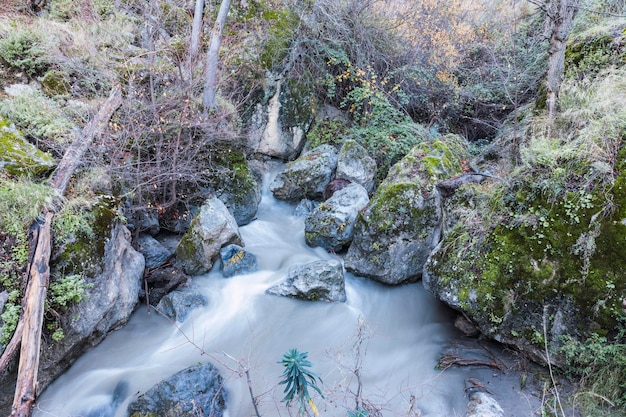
(532, 267)
(314, 281)
(281, 121)
(18, 156)
(331, 224)
(197, 390)
(108, 304)
(307, 176)
(356, 165)
(211, 229)
(401, 225)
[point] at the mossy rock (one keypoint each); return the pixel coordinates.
(529, 261)
(81, 235)
(17, 156)
(234, 182)
(397, 231)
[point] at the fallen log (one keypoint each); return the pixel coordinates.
(38, 270)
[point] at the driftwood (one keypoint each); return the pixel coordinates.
(29, 329)
(449, 360)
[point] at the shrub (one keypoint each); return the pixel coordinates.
(600, 367)
(24, 50)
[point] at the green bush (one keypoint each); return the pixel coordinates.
(599, 365)
(24, 50)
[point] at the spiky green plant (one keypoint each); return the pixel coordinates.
(299, 379)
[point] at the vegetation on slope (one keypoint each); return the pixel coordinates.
(399, 74)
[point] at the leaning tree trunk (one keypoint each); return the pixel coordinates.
(560, 20)
(210, 82)
(31, 320)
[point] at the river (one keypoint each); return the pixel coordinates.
(400, 332)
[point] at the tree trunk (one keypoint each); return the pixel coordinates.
(559, 20)
(196, 31)
(31, 320)
(210, 84)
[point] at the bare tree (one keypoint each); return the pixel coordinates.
(196, 30)
(210, 84)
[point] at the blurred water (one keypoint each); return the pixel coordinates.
(403, 331)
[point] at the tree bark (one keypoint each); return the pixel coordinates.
(559, 22)
(196, 30)
(210, 84)
(31, 320)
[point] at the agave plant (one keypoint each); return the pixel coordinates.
(299, 379)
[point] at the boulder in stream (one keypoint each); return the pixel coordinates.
(314, 281)
(177, 305)
(331, 224)
(482, 404)
(211, 229)
(237, 261)
(197, 390)
(307, 176)
(401, 225)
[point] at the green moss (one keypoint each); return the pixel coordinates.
(281, 33)
(594, 50)
(80, 235)
(17, 156)
(297, 104)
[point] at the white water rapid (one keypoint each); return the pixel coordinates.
(404, 330)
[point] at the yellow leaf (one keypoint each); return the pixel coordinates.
(313, 407)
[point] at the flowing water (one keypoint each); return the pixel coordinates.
(394, 334)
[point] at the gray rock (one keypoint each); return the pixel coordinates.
(109, 304)
(482, 404)
(356, 165)
(395, 234)
(304, 207)
(241, 197)
(197, 390)
(161, 281)
(331, 224)
(307, 176)
(147, 221)
(315, 281)
(237, 261)
(211, 229)
(279, 125)
(153, 251)
(178, 304)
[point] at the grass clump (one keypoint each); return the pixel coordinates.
(38, 117)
